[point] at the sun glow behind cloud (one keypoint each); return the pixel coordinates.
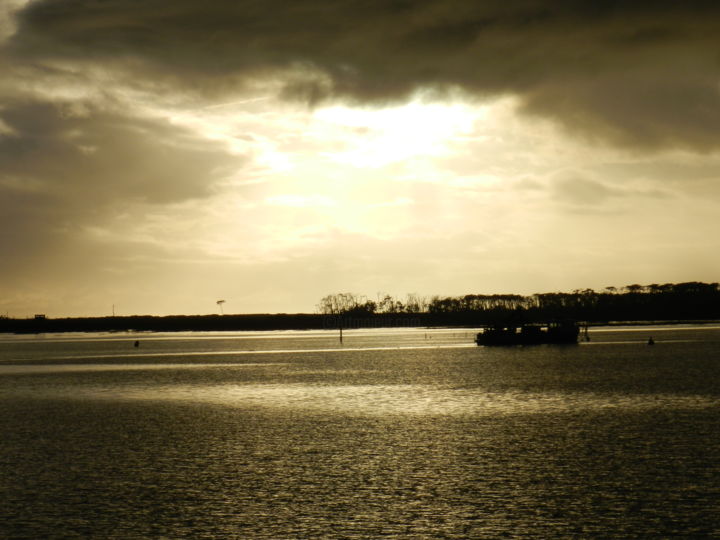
(396, 134)
(339, 169)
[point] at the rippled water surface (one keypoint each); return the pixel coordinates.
(393, 433)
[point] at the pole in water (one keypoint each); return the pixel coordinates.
(340, 332)
(136, 344)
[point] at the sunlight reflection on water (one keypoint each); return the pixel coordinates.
(71, 368)
(385, 400)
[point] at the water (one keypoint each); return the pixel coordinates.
(393, 434)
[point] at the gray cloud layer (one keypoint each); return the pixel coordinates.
(642, 74)
(65, 167)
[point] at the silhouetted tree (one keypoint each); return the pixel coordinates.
(346, 303)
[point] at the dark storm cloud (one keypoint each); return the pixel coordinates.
(73, 148)
(66, 166)
(643, 74)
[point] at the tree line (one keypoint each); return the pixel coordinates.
(669, 301)
(689, 301)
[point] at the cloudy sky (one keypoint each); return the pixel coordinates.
(160, 156)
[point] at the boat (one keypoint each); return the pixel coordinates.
(565, 332)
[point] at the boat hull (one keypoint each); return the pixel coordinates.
(560, 334)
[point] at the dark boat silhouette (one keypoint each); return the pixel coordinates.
(530, 334)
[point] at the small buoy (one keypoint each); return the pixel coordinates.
(137, 343)
(651, 341)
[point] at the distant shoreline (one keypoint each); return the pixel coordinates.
(634, 305)
(270, 322)
(656, 323)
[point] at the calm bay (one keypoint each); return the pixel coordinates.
(394, 433)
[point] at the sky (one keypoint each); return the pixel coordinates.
(156, 157)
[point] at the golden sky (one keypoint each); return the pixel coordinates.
(160, 156)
